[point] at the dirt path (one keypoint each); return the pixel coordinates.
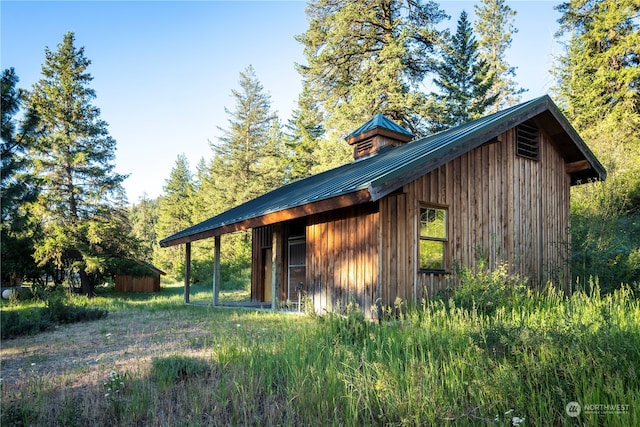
(83, 354)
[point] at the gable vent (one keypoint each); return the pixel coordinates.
(528, 140)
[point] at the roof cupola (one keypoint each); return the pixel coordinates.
(379, 132)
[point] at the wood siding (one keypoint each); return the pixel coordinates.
(342, 258)
(501, 207)
(137, 284)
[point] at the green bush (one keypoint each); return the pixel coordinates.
(484, 289)
(350, 328)
(58, 309)
(15, 324)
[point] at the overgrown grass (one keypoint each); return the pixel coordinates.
(54, 308)
(440, 364)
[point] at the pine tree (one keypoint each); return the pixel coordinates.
(175, 213)
(305, 132)
(73, 159)
(464, 79)
(247, 149)
(598, 81)
(17, 189)
(599, 76)
(369, 57)
(495, 30)
(143, 217)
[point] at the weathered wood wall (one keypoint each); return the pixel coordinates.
(342, 258)
(260, 239)
(500, 206)
(137, 284)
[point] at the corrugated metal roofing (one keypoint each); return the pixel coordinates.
(388, 170)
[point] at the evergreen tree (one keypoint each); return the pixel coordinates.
(599, 76)
(73, 159)
(464, 79)
(495, 30)
(305, 132)
(368, 57)
(143, 217)
(247, 150)
(599, 84)
(598, 81)
(175, 214)
(16, 186)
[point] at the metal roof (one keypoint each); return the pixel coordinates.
(385, 172)
(380, 121)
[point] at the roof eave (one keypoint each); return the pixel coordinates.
(349, 199)
(596, 170)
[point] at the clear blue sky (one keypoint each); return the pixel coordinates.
(163, 71)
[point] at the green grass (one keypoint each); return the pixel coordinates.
(439, 364)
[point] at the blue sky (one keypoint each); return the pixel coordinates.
(163, 71)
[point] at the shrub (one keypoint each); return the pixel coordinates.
(349, 328)
(58, 309)
(485, 290)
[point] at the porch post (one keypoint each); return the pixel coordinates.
(216, 270)
(187, 271)
(276, 270)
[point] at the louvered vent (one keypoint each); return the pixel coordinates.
(528, 140)
(364, 147)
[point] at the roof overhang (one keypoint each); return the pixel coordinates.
(370, 179)
(355, 198)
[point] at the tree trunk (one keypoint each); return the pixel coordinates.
(86, 286)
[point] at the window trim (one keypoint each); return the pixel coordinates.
(444, 240)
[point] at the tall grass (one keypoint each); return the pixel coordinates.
(440, 364)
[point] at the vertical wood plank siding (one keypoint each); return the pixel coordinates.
(501, 207)
(137, 284)
(342, 258)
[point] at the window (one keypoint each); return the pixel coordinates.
(527, 140)
(433, 238)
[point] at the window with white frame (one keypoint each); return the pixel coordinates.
(433, 238)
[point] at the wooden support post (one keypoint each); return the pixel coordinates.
(216, 270)
(276, 267)
(187, 271)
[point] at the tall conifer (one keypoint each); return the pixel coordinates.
(464, 81)
(248, 147)
(175, 213)
(368, 57)
(81, 194)
(17, 188)
(495, 30)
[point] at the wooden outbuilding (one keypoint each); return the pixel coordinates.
(144, 277)
(393, 223)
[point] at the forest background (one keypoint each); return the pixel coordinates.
(65, 215)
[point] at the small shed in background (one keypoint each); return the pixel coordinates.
(144, 277)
